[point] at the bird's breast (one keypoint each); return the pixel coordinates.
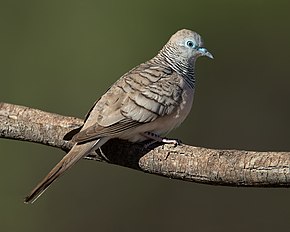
(183, 109)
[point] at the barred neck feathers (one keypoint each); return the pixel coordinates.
(181, 52)
(170, 56)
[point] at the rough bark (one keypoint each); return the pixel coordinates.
(196, 164)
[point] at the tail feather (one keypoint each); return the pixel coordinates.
(74, 155)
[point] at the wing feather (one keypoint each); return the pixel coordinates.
(140, 96)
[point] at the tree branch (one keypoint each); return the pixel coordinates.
(203, 165)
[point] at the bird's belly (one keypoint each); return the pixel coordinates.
(167, 123)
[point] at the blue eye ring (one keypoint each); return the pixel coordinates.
(190, 44)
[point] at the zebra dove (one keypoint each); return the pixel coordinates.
(145, 103)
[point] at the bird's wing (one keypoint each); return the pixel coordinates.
(140, 96)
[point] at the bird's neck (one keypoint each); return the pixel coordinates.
(167, 56)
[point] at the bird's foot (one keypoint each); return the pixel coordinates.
(157, 138)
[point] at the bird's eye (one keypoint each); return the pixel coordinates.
(190, 44)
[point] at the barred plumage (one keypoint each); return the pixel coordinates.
(151, 99)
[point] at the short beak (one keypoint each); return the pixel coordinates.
(205, 52)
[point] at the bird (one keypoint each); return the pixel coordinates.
(146, 103)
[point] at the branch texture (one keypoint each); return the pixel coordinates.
(203, 165)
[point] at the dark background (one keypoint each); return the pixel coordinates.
(60, 56)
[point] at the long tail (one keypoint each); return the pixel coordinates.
(75, 154)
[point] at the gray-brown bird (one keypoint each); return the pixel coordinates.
(145, 103)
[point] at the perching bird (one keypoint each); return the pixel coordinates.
(145, 103)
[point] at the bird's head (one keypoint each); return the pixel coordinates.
(186, 46)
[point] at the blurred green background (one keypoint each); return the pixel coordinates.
(59, 56)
